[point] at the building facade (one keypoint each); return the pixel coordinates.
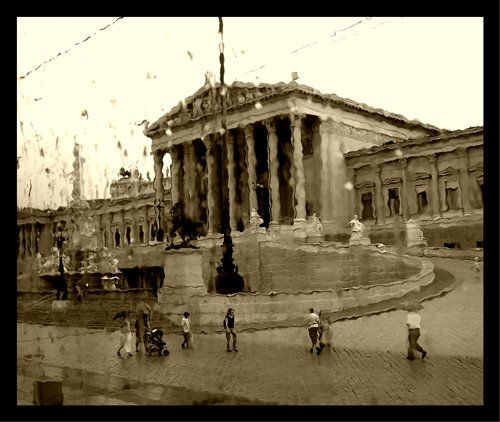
(293, 152)
(436, 181)
(128, 219)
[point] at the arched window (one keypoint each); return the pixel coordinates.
(141, 234)
(127, 234)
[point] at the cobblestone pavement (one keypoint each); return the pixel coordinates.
(274, 366)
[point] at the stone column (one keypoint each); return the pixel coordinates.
(158, 182)
(435, 208)
(231, 180)
(379, 200)
(463, 161)
(174, 174)
(212, 202)
(272, 143)
(325, 130)
(299, 189)
(97, 224)
(33, 240)
(404, 190)
(22, 251)
(252, 165)
(351, 174)
(189, 179)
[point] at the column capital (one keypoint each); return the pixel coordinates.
(403, 162)
(270, 124)
(158, 156)
(326, 125)
(249, 130)
(432, 158)
(296, 119)
(376, 167)
(208, 141)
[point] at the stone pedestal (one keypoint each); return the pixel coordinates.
(359, 241)
(414, 236)
(183, 274)
(315, 237)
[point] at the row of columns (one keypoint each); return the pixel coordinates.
(464, 178)
(105, 229)
(27, 240)
(212, 169)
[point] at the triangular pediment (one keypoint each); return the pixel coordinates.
(366, 184)
(448, 171)
(421, 175)
(392, 181)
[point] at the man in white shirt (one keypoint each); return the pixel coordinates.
(413, 323)
(186, 328)
(312, 327)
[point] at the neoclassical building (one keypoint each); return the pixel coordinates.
(436, 180)
(126, 220)
(292, 152)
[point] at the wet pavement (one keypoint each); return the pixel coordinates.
(367, 364)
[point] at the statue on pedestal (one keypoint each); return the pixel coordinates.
(414, 236)
(316, 223)
(255, 219)
(88, 237)
(358, 233)
(357, 228)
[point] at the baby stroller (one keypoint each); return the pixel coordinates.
(154, 339)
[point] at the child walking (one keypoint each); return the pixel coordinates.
(186, 330)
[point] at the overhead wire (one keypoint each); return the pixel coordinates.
(335, 33)
(78, 43)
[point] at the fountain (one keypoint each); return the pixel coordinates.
(76, 261)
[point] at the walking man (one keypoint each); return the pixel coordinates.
(186, 328)
(413, 323)
(229, 329)
(313, 327)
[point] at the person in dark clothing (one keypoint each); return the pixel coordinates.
(229, 329)
(143, 311)
(62, 288)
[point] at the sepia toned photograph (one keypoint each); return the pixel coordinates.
(250, 211)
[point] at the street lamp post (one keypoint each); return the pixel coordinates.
(60, 239)
(227, 279)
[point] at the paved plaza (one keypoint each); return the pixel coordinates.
(273, 366)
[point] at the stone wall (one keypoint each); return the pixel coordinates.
(96, 311)
(466, 231)
(279, 267)
(209, 310)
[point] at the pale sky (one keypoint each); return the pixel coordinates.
(430, 69)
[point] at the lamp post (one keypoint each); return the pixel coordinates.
(60, 239)
(227, 279)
